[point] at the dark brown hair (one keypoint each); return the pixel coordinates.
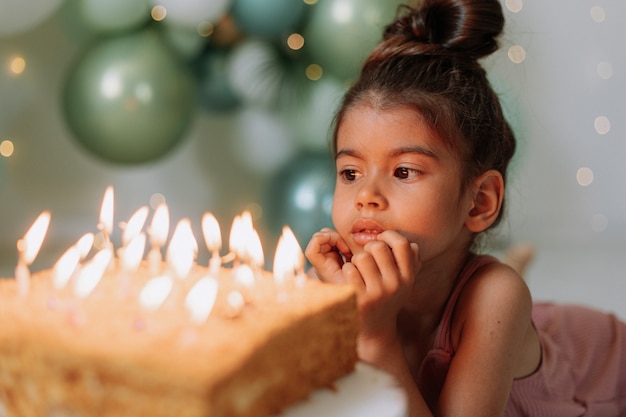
(428, 60)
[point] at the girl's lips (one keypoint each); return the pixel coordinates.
(365, 230)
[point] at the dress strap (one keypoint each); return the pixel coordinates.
(442, 339)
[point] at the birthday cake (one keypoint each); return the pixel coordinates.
(150, 341)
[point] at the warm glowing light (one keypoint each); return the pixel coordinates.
(158, 13)
(91, 274)
(310, 2)
(6, 148)
(29, 245)
(584, 176)
(106, 212)
(602, 125)
(132, 254)
(517, 54)
(17, 65)
(244, 241)
(155, 292)
(314, 72)
(84, 244)
(289, 258)
(134, 225)
(182, 249)
(65, 267)
(160, 226)
(514, 6)
(598, 14)
(295, 41)
(211, 232)
(201, 299)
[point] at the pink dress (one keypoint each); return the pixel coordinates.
(583, 365)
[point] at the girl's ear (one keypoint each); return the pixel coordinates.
(487, 196)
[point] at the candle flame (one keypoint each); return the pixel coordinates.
(106, 212)
(134, 225)
(29, 245)
(182, 249)
(132, 254)
(289, 258)
(155, 292)
(65, 267)
(84, 244)
(201, 299)
(244, 240)
(91, 274)
(211, 231)
(160, 226)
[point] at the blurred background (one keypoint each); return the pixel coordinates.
(224, 106)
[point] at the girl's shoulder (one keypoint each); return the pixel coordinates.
(494, 295)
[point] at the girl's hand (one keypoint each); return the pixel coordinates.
(328, 252)
(383, 275)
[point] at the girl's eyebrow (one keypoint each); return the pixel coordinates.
(394, 153)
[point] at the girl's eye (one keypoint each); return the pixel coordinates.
(348, 175)
(405, 173)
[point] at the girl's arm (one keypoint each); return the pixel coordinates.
(493, 338)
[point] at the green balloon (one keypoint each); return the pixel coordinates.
(300, 195)
(341, 33)
(129, 99)
(268, 19)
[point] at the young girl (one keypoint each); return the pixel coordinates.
(421, 149)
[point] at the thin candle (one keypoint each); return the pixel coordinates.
(213, 240)
(105, 224)
(158, 231)
(28, 248)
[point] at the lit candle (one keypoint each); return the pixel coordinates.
(134, 225)
(201, 299)
(64, 268)
(182, 249)
(155, 292)
(133, 253)
(158, 231)
(28, 248)
(105, 224)
(91, 274)
(213, 241)
(84, 244)
(289, 258)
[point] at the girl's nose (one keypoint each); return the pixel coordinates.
(370, 195)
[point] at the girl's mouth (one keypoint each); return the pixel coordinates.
(365, 230)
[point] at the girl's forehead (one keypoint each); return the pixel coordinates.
(385, 126)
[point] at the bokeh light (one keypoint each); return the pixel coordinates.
(314, 72)
(6, 148)
(514, 6)
(17, 65)
(295, 41)
(584, 176)
(157, 199)
(605, 70)
(602, 124)
(598, 14)
(158, 13)
(517, 54)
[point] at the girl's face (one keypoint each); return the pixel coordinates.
(394, 174)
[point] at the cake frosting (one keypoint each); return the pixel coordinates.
(108, 355)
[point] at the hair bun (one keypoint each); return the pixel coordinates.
(464, 27)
